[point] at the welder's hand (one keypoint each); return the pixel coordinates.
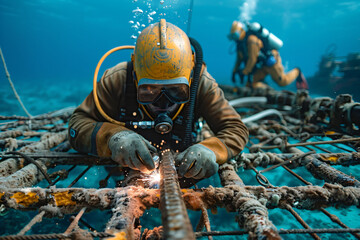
(196, 162)
(129, 149)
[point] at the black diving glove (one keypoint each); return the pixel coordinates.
(196, 162)
(130, 149)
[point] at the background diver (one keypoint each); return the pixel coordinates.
(257, 49)
(157, 85)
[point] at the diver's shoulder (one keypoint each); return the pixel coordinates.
(118, 68)
(206, 76)
(252, 37)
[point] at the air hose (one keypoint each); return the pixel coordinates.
(246, 101)
(96, 99)
(193, 92)
(263, 114)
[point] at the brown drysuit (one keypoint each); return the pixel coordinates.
(90, 132)
(254, 44)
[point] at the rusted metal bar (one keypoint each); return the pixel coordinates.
(297, 175)
(19, 143)
(72, 235)
(313, 143)
(27, 125)
(282, 231)
(335, 219)
(323, 171)
(252, 215)
(79, 176)
(332, 157)
(48, 141)
(66, 173)
(176, 222)
(36, 219)
(204, 221)
(10, 134)
(25, 177)
(331, 216)
(228, 176)
(75, 222)
(300, 220)
(267, 158)
(64, 113)
(317, 168)
(63, 147)
(128, 205)
(304, 197)
(60, 158)
(73, 198)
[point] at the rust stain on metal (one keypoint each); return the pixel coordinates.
(332, 158)
(118, 236)
(63, 198)
(25, 199)
(193, 199)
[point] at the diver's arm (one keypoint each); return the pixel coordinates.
(253, 45)
(239, 59)
(231, 134)
(89, 132)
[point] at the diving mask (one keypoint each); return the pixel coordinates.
(175, 90)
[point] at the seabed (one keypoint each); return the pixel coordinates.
(296, 179)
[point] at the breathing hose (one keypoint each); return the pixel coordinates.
(193, 91)
(240, 102)
(96, 99)
(263, 114)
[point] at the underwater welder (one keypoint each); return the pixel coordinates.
(257, 49)
(153, 94)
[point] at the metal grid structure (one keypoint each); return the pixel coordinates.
(31, 149)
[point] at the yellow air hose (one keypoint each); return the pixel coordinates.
(96, 99)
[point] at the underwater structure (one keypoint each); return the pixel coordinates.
(339, 73)
(300, 157)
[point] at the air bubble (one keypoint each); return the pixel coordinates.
(137, 11)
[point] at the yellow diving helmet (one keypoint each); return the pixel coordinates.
(237, 31)
(163, 64)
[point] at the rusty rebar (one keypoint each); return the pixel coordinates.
(313, 143)
(252, 215)
(38, 218)
(48, 141)
(53, 236)
(300, 220)
(337, 220)
(175, 219)
(317, 168)
(282, 231)
(127, 206)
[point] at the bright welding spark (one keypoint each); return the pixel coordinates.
(153, 179)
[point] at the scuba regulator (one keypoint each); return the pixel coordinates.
(163, 124)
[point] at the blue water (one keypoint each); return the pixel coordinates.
(52, 47)
(57, 44)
